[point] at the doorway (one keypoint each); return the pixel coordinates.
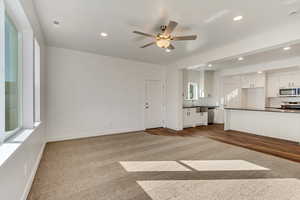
(153, 104)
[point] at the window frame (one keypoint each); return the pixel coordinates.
(8, 134)
(15, 11)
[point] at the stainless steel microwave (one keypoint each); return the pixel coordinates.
(289, 92)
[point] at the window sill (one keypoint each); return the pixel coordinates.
(9, 147)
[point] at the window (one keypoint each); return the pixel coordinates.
(12, 78)
(19, 71)
(192, 91)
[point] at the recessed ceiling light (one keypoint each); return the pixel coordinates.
(238, 18)
(168, 50)
(103, 34)
(259, 72)
(287, 48)
(209, 65)
(240, 58)
(56, 23)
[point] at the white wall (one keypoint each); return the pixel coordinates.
(90, 94)
(174, 98)
(19, 169)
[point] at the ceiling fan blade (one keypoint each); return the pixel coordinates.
(170, 28)
(144, 34)
(147, 45)
(188, 37)
(171, 47)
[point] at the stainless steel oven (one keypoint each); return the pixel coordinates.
(289, 92)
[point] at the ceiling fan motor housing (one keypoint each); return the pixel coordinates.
(163, 28)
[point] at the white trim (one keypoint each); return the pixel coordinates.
(2, 72)
(9, 134)
(37, 85)
(33, 172)
(28, 80)
(86, 135)
(16, 11)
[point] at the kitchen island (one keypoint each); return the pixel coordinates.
(270, 122)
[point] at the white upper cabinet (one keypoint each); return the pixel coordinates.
(296, 79)
(289, 80)
(278, 80)
(273, 86)
(253, 81)
(260, 80)
(285, 81)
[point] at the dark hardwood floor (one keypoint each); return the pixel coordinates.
(281, 148)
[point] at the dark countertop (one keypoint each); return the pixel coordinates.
(264, 109)
(186, 107)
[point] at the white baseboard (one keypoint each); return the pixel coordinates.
(33, 172)
(87, 135)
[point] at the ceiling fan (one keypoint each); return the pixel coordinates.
(163, 39)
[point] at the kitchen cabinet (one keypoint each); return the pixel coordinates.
(285, 81)
(289, 80)
(273, 86)
(192, 118)
(253, 81)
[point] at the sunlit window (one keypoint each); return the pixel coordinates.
(12, 77)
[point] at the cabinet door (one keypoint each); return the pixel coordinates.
(246, 81)
(259, 80)
(186, 118)
(285, 81)
(296, 79)
(273, 86)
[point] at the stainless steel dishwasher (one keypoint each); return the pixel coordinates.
(211, 115)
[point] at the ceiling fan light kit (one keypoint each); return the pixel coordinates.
(163, 39)
(162, 43)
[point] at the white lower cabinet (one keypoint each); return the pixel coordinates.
(192, 118)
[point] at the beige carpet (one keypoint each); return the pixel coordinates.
(90, 169)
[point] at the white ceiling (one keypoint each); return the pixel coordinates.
(82, 21)
(261, 57)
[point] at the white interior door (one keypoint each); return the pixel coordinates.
(153, 104)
